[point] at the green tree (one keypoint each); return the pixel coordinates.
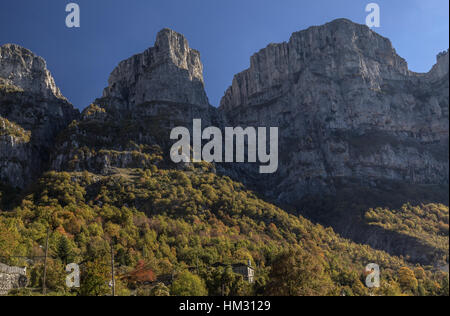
(56, 276)
(445, 286)
(298, 273)
(160, 290)
(223, 281)
(64, 249)
(188, 284)
(407, 280)
(95, 279)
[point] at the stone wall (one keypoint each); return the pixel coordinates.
(11, 278)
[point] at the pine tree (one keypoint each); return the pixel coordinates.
(64, 249)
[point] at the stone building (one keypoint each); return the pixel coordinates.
(246, 270)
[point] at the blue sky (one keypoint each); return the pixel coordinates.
(226, 32)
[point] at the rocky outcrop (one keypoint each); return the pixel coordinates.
(351, 118)
(148, 95)
(170, 71)
(346, 104)
(23, 69)
(440, 70)
(31, 104)
(347, 107)
(17, 157)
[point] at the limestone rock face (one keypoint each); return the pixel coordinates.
(440, 70)
(338, 49)
(169, 71)
(32, 113)
(148, 95)
(17, 157)
(357, 129)
(21, 68)
(347, 108)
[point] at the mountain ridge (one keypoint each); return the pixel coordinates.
(355, 124)
(30, 99)
(352, 117)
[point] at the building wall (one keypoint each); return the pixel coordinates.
(245, 271)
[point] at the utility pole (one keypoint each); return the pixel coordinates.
(44, 287)
(113, 282)
(198, 273)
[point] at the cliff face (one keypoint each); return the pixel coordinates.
(357, 129)
(440, 70)
(17, 157)
(169, 71)
(147, 95)
(347, 107)
(32, 113)
(21, 68)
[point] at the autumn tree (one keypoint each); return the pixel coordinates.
(188, 284)
(95, 279)
(160, 290)
(9, 239)
(407, 279)
(299, 273)
(224, 282)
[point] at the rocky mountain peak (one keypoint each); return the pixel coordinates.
(32, 113)
(21, 68)
(350, 115)
(339, 49)
(441, 69)
(347, 107)
(176, 47)
(168, 72)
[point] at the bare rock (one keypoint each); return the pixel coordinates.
(32, 113)
(169, 71)
(347, 107)
(21, 68)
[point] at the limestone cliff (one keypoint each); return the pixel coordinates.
(31, 105)
(169, 71)
(347, 107)
(355, 125)
(147, 95)
(21, 68)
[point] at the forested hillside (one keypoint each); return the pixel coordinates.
(172, 220)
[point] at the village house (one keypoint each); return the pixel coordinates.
(246, 270)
